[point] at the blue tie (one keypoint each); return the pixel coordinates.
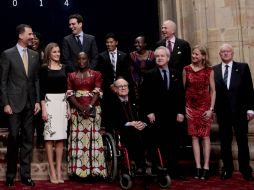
(225, 78)
(165, 79)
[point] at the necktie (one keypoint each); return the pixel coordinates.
(165, 79)
(169, 46)
(25, 60)
(225, 77)
(79, 42)
(113, 62)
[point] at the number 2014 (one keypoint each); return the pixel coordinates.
(15, 3)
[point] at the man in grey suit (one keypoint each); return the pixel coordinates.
(19, 91)
(76, 42)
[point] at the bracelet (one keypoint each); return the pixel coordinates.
(90, 106)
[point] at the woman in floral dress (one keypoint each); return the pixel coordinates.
(85, 149)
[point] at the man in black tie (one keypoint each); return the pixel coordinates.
(159, 95)
(76, 42)
(19, 94)
(234, 109)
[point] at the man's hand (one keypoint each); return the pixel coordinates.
(8, 110)
(179, 118)
(151, 117)
(37, 108)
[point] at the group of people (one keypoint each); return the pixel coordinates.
(149, 96)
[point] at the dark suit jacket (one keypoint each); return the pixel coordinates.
(16, 87)
(70, 50)
(105, 67)
(240, 96)
(181, 55)
(118, 117)
(165, 104)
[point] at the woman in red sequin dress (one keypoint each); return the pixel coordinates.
(198, 80)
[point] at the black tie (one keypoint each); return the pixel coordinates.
(225, 78)
(79, 42)
(165, 79)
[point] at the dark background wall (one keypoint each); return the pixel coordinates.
(126, 18)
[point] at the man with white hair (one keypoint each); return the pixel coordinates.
(234, 109)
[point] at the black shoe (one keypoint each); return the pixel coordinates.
(225, 175)
(205, 174)
(28, 182)
(197, 173)
(9, 182)
(248, 177)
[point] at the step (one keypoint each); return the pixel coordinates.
(39, 171)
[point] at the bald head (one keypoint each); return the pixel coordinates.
(168, 29)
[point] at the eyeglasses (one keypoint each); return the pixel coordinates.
(122, 86)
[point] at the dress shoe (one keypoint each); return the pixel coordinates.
(205, 174)
(28, 182)
(225, 175)
(9, 182)
(248, 177)
(197, 173)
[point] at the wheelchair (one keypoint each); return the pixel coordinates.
(118, 164)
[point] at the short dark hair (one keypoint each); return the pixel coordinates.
(111, 35)
(20, 29)
(78, 17)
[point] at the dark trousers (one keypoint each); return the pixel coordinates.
(134, 142)
(39, 127)
(20, 136)
(240, 125)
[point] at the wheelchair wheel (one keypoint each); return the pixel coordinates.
(164, 181)
(110, 156)
(125, 181)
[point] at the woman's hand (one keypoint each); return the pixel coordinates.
(188, 113)
(44, 115)
(139, 125)
(208, 114)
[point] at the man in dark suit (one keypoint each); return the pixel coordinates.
(20, 97)
(234, 108)
(162, 89)
(180, 49)
(112, 63)
(125, 118)
(180, 56)
(76, 42)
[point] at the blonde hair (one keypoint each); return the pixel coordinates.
(203, 51)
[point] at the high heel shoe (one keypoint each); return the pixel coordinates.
(52, 180)
(197, 173)
(60, 179)
(205, 174)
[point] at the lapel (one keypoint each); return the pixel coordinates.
(74, 44)
(218, 75)
(85, 44)
(20, 61)
(234, 75)
(30, 62)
